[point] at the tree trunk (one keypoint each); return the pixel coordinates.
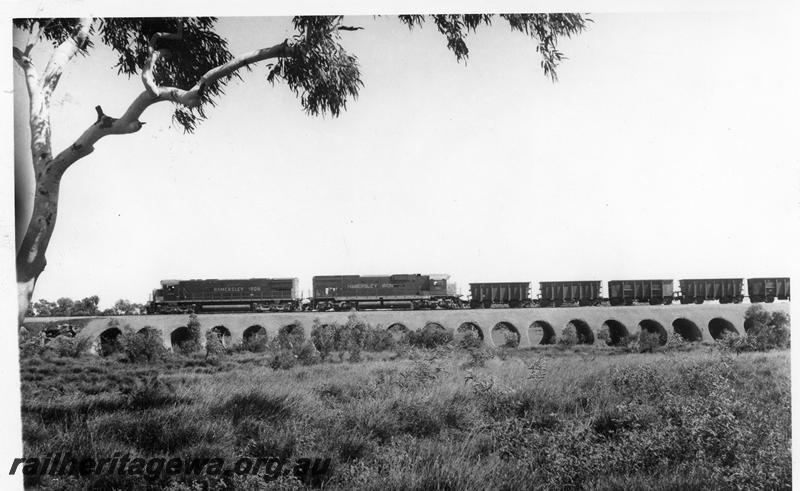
(30, 255)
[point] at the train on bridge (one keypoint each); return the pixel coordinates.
(435, 291)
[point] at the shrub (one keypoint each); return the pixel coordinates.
(378, 339)
(147, 345)
(30, 344)
(470, 340)
(307, 354)
(214, 345)
(766, 330)
(70, 347)
(429, 338)
(147, 393)
(648, 341)
(604, 334)
(353, 336)
(478, 356)
(569, 336)
(257, 343)
(193, 343)
(511, 339)
(324, 338)
(283, 360)
(290, 337)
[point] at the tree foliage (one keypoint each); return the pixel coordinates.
(320, 72)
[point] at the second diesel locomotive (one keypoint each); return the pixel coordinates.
(399, 291)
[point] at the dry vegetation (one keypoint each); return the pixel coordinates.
(455, 416)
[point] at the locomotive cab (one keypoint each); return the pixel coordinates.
(437, 285)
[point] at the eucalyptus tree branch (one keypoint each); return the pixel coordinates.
(63, 54)
(193, 97)
(32, 40)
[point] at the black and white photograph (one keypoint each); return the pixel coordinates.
(503, 246)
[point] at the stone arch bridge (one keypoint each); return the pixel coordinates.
(531, 326)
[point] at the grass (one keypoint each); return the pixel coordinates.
(546, 418)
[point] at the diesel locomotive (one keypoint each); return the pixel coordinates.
(399, 291)
(252, 295)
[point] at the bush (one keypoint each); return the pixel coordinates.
(648, 341)
(429, 338)
(70, 347)
(290, 337)
(478, 356)
(353, 336)
(569, 336)
(511, 339)
(378, 339)
(30, 344)
(470, 340)
(214, 345)
(283, 360)
(324, 338)
(256, 343)
(147, 345)
(765, 330)
(307, 354)
(193, 344)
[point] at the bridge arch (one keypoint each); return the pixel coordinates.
(179, 336)
(433, 325)
(470, 327)
(253, 332)
(583, 332)
(398, 331)
(506, 334)
(687, 329)
(109, 341)
(617, 332)
(719, 327)
(543, 332)
(223, 334)
(654, 327)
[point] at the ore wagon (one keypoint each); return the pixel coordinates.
(558, 293)
(626, 292)
(726, 290)
(767, 289)
(510, 294)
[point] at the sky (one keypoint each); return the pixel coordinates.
(665, 150)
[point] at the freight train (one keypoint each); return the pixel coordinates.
(417, 291)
